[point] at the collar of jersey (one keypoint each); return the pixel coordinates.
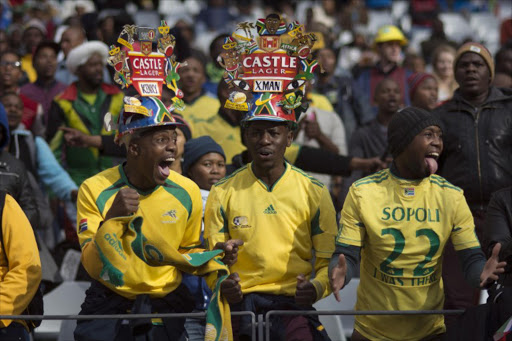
(125, 180)
(393, 171)
(271, 188)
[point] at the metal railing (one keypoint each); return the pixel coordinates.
(270, 313)
(262, 324)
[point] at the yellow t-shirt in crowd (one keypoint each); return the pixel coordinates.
(175, 207)
(402, 227)
(200, 110)
(281, 227)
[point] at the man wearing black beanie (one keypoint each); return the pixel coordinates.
(400, 219)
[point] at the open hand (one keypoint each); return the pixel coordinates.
(305, 295)
(337, 276)
(493, 267)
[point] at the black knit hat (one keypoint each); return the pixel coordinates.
(405, 125)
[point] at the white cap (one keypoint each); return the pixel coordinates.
(81, 54)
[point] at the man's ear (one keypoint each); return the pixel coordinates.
(289, 138)
(133, 149)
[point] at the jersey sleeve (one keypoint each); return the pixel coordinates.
(463, 229)
(191, 241)
(323, 233)
(20, 282)
(352, 229)
(215, 227)
(88, 220)
(215, 221)
(324, 226)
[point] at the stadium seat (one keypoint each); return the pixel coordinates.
(376, 19)
(456, 27)
(65, 299)
(339, 326)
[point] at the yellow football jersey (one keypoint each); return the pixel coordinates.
(200, 110)
(280, 227)
(175, 207)
(223, 133)
(402, 227)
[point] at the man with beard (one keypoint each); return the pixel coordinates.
(478, 141)
(400, 219)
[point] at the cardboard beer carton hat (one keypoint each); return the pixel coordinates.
(273, 61)
(137, 65)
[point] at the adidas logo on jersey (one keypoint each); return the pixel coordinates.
(270, 210)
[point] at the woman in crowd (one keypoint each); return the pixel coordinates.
(442, 69)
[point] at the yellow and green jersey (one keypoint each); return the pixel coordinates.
(402, 227)
(200, 111)
(280, 227)
(175, 208)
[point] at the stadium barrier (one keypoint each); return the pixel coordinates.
(259, 322)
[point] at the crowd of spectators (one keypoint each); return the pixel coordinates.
(376, 57)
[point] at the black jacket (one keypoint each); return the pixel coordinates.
(14, 180)
(477, 152)
(498, 228)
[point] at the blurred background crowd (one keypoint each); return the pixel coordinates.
(376, 56)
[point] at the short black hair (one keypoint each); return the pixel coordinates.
(46, 44)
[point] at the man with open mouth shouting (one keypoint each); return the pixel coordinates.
(400, 219)
(144, 186)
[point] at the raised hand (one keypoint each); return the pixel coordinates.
(230, 288)
(337, 278)
(125, 203)
(305, 295)
(230, 249)
(493, 267)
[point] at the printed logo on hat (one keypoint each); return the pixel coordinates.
(136, 63)
(268, 57)
(474, 48)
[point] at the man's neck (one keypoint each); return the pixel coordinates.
(45, 82)
(191, 97)
(384, 117)
(135, 179)
(8, 89)
(324, 78)
(477, 99)
(231, 116)
(87, 88)
(269, 175)
(386, 66)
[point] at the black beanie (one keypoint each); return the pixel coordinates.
(405, 125)
(196, 148)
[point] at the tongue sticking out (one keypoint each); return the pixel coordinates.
(431, 164)
(164, 170)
